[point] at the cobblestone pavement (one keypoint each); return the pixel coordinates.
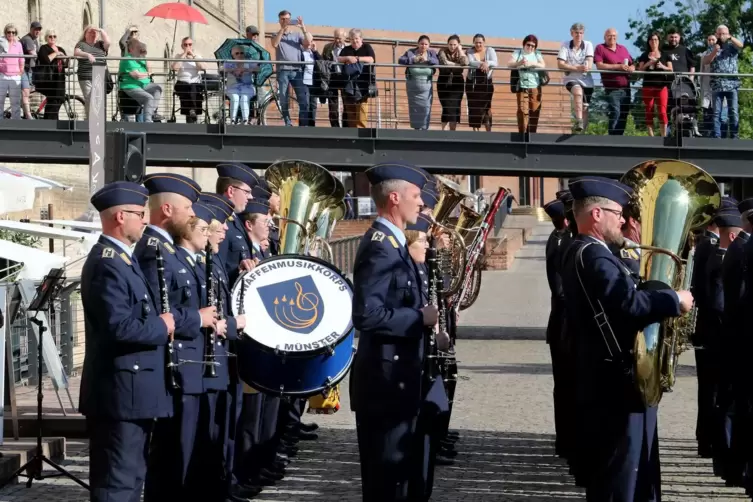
(503, 410)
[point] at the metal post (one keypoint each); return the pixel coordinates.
(541, 191)
(101, 13)
(50, 216)
(190, 25)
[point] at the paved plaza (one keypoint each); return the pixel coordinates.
(503, 411)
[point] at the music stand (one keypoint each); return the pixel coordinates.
(42, 303)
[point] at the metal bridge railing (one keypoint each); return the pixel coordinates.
(344, 251)
(394, 104)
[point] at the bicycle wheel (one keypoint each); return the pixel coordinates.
(275, 113)
(73, 108)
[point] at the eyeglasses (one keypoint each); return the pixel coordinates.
(11, 32)
(140, 214)
(247, 192)
(53, 36)
(532, 46)
(613, 211)
(203, 230)
(187, 44)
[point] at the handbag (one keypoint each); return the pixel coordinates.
(109, 82)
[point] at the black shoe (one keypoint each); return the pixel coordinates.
(443, 461)
(448, 453)
(447, 445)
(309, 427)
(453, 434)
(245, 492)
(282, 458)
(308, 436)
(270, 474)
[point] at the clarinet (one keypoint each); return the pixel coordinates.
(209, 334)
(241, 298)
(430, 343)
(171, 355)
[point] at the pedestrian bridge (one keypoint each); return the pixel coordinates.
(553, 150)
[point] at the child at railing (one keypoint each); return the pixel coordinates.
(240, 84)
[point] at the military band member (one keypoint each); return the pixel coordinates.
(386, 377)
(705, 246)
(631, 231)
(435, 403)
(617, 434)
(264, 191)
(257, 463)
(553, 253)
(123, 385)
(223, 209)
(735, 326)
(171, 198)
(728, 223)
(236, 182)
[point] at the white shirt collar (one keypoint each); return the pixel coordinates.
(397, 232)
(122, 245)
(163, 233)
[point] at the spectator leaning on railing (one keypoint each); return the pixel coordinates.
(30, 44)
(331, 52)
(50, 74)
(310, 55)
(655, 87)
(479, 86)
(136, 81)
(527, 60)
(94, 43)
(576, 57)
(450, 83)
(616, 59)
(287, 44)
(723, 59)
(11, 69)
(419, 82)
(359, 72)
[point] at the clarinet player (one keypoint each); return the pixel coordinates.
(171, 199)
(618, 450)
(123, 385)
(386, 381)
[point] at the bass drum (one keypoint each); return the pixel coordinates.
(299, 338)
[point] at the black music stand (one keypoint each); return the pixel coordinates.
(42, 302)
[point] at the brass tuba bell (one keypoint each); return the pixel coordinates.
(306, 189)
(452, 261)
(671, 198)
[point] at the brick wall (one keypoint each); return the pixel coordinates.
(500, 251)
(349, 228)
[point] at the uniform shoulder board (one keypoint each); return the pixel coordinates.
(377, 236)
(153, 242)
(393, 241)
(125, 258)
(713, 240)
(190, 261)
(169, 248)
(108, 253)
(230, 218)
(201, 259)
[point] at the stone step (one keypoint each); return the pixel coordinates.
(15, 453)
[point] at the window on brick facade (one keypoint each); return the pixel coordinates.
(33, 8)
(87, 14)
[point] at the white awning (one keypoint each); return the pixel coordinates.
(18, 190)
(74, 224)
(87, 239)
(36, 263)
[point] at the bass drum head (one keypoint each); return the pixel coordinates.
(299, 334)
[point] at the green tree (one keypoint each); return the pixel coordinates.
(659, 17)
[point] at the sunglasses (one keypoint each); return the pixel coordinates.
(533, 46)
(187, 45)
(52, 36)
(11, 32)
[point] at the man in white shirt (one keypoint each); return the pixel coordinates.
(576, 57)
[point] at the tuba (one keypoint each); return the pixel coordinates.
(452, 261)
(671, 198)
(306, 191)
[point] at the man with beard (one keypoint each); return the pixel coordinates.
(617, 433)
(123, 386)
(171, 198)
(386, 380)
(683, 60)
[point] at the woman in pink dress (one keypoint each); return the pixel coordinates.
(10, 71)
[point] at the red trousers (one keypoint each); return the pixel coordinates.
(660, 96)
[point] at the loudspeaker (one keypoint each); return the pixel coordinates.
(125, 156)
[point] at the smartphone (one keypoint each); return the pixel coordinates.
(293, 22)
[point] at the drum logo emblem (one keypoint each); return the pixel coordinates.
(295, 304)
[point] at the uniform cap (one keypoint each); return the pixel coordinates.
(203, 212)
(119, 193)
(422, 224)
(261, 190)
(172, 183)
(221, 205)
(596, 186)
(256, 207)
(728, 202)
(728, 218)
(429, 195)
(240, 172)
(398, 171)
(745, 205)
(555, 209)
